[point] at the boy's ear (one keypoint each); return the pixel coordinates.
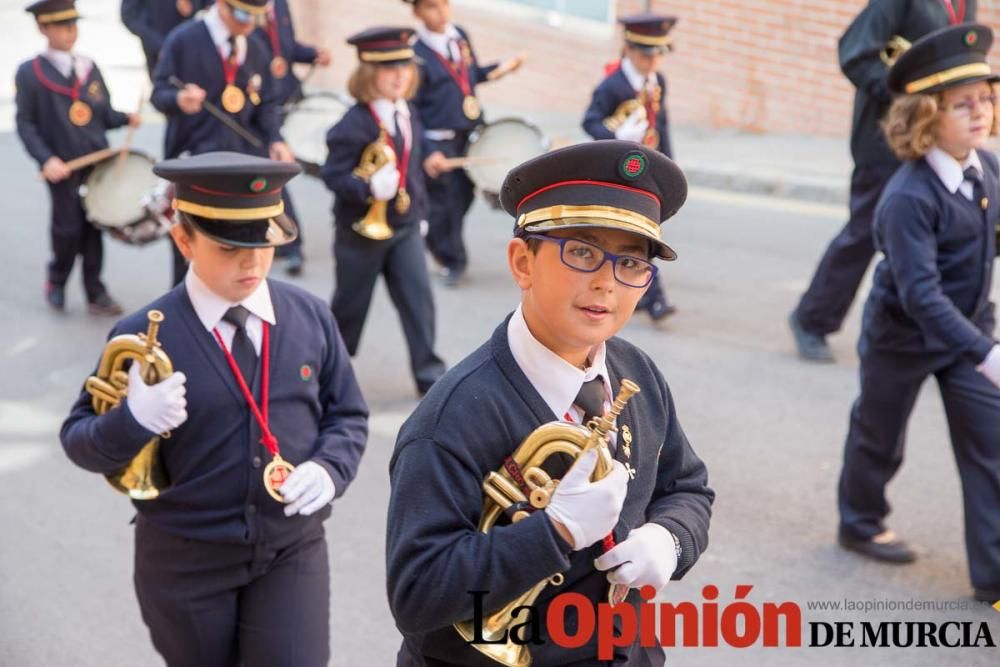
(520, 261)
(182, 239)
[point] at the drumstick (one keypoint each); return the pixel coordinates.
(460, 162)
(130, 133)
(506, 68)
(221, 116)
(86, 160)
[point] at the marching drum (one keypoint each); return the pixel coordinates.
(306, 124)
(124, 197)
(496, 148)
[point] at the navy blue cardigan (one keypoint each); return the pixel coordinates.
(614, 90)
(471, 419)
(931, 292)
(439, 99)
(292, 51)
(345, 142)
(191, 56)
(43, 115)
(215, 460)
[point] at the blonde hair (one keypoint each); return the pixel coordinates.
(910, 127)
(361, 85)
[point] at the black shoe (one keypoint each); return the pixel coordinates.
(812, 347)
(893, 551)
(660, 310)
(56, 296)
(293, 266)
(452, 277)
(986, 595)
(104, 305)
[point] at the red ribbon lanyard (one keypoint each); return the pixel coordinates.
(230, 65)
(272, 32)
(954, 18)
(260, 413)
(461, 76)
(73, 93)
(402, 161)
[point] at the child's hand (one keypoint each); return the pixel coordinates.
(280, 151)
(991, 366)
(134, 120)
(323, 57)
(647, 557)
(55, 170)
(157, 407)
(190, 98)
(588, 510)
(384, 183)
(307, 489)
(435, 164)
(634, 127)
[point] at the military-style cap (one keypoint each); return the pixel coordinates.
(648, 31)
(383, 45)
(233, 198)
(54, 11)
(255, 7)
(611, 184)
(945, 58)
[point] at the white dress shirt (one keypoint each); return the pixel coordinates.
(220, 35)
(556, 380)
(210, 307)
(952, 173)
(387, 109)
(65, 62)
(635, 79)
(442, 42)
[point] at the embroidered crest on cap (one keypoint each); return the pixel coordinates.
(633, 165)
(971, 38)
(258, 184)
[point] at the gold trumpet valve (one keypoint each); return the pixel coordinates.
(540, 498)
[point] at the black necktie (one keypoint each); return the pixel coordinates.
(978, 196)
(397, 137)
(242, 349)
(591, 399)
(232, 50)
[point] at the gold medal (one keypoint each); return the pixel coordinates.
(275, 474)
(470, 107)
(80, 113)
(402, 202)
(651, 138)
(233, 99)
(279, 67)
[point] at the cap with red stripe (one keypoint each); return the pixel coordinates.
(383, 45)
(54, 11)
(611, 184)
(232, 197)
(648, 31)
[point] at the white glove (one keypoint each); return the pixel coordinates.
(647, 557)
(307, 489)
(634, 127)
(157, 407)
(991, 366)
(384, 183)
(589, 510)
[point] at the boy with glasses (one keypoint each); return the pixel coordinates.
(219, 62)
(588, 225)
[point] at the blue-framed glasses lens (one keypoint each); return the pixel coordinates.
(242, 15)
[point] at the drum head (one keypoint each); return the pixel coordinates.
(116, 190)
(306, 125)
(498, 147)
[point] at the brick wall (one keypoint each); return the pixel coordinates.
(757, 65)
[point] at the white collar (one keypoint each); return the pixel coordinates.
(556, 380)
(66, 61)
(439, 41)
(386, 110)
(635, 79)
(220, 35)
(210, 307)
(949, 170)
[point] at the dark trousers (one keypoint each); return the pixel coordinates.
(359, 262)
(825, 303)
(295, 247)
(451, 195)
(224, 605)
(71, 235)
(875, 443)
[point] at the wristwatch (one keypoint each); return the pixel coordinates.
(677, 547)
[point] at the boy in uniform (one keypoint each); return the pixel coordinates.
(449, 110)
(630, 104)
(587, 227)
(63, 112)
(219, 61)
(267, 426)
